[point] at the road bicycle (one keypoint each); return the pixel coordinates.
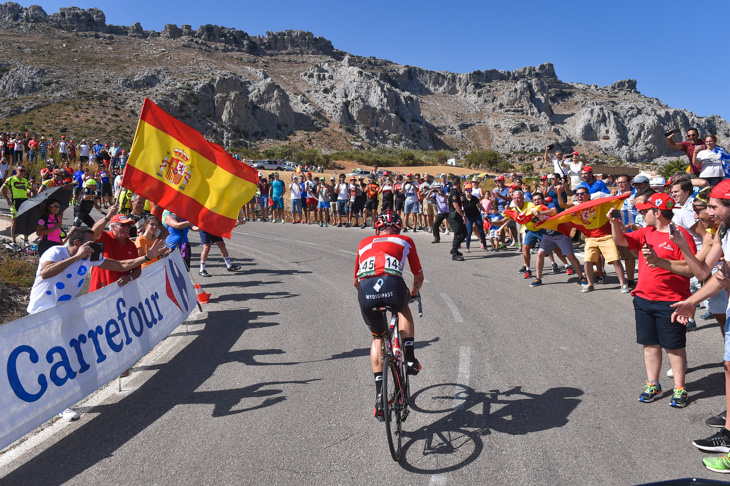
(395, 394)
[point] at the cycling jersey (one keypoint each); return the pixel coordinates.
(19, 187)
(386, 255)
(372, 191)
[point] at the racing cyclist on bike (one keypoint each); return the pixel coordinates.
(379, 281)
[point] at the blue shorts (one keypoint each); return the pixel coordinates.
(550, 241)
(208, 239)
(264, 201)
(342, 207)
(323, 205)
(532, 237)
(654, 325)
(278, 202)
(296, 206)
(411, 207)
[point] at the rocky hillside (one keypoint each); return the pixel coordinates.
(71, 71)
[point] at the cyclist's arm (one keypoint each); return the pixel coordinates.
(417, 283)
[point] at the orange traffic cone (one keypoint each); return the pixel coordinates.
(203, 297)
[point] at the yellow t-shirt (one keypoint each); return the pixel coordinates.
(143, 242)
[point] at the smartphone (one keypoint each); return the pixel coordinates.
(551, 146)
(615, 213)
(98, 248)
(672, 229)
(670, 132)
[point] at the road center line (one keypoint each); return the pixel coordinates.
(452, 307)
(462, 381)
(348, 252)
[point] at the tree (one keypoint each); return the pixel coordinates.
(672, 167)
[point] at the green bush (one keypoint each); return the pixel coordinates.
(672, 167)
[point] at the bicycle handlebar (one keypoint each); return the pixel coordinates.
(417, 298)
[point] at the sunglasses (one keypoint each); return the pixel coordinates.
(54, 206)
(581, 193)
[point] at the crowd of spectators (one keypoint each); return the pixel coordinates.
(676, 230)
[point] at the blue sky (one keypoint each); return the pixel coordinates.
(677, 51)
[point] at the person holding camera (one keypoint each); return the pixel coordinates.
(693, 144)
(88, 200)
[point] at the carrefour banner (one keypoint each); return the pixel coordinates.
(55, 358)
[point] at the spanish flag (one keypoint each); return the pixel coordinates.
(173, 166)
(590, 217)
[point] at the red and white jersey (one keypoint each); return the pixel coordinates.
(386, 255)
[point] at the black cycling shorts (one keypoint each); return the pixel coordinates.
(372, 205)
(387, 204)
(375, 292)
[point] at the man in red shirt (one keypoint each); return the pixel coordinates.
(664, 280)
(689, 147)
(379, 280)
(117, 246)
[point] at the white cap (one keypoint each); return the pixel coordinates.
(658, 182)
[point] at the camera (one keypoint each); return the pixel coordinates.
(671, 132)
(98, 250)
(551, 146)
(615, 213)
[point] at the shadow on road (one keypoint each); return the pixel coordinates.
(175, 383)
(455, 440)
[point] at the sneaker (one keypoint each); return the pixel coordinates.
(69, 415)
(447, 233)
(527, 274)
(321, 225)
(679, 399)
(583, 282)
(522, 269)
(556, 269)
(707, 315)
(326, 225)
(715, 443)
(536, 283)
(204, 273)
(569, 270)
(364, 225)
(718, 464)
(691, 325)
(233, 268)
(339, 225)
(625, 289)
(717, 421)
(436, 241)
(457, 257)
(631, 284)
(587, 288)
(598, 279)
(413, 367)
(651, 392)
(378, 414)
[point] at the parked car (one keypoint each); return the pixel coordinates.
(269, 164)
(358, 172)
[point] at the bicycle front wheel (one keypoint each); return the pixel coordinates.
(392, 397)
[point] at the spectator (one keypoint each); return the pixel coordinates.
(495, 222)
(574, 168)
(429, 207)
(473, 213)
(591, 183)
(311, 189)
(178, 229)
(693, 144)
(84, 150)
(628, 219)
(342, 189)
(333, 200)
(442, 210)
(556, 161)
(664, 279)
(16, 190)
(263, 186)
(295, 196)
(207, 239)
(357, 199)
(371, 205)
(456, 219)
(714, 160)
(150, 232)
(89, 200)
(4, 168)
(49, 226)
(277, 197)
(117, 245)
(684, 215)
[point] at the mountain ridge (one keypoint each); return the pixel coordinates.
(293, 86)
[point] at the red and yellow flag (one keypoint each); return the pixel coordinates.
(175, 167)
(589, 217)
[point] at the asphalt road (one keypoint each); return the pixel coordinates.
(273, 383)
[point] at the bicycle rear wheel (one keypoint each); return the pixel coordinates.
(392, 397)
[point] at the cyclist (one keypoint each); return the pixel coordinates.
(379, 281)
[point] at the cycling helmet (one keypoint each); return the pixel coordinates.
(389, 218)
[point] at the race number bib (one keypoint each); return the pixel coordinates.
(367, 268)
(392, 266)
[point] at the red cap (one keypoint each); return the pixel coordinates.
(722, 190)
(548, 199)
(385, 173)
(576, 153)
(63, 136)
(499, 178)
(587, 168)
(658, 200)
(543, 177)
(121, 219)
(514, 186)
(409, 175)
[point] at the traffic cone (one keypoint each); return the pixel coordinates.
(203, 297)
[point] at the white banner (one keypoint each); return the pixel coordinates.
(55, 358)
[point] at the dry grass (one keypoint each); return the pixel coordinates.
(16, 279)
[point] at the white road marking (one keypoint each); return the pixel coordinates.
(452, 307)
(462, 381)
(348, 252)
(439, 479)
